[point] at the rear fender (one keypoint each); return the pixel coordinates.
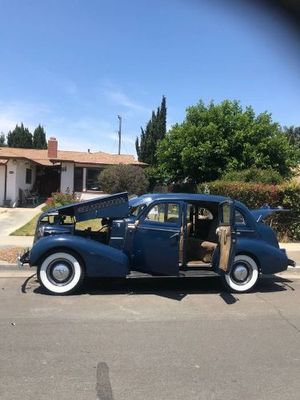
(270, 259)
(99, 259)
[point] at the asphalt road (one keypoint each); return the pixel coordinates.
(157, 339)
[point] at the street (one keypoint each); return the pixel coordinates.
(150, 339)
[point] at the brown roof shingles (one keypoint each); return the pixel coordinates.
(78, 157)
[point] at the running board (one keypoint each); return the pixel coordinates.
(182, 274)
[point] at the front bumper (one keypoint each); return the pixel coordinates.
(23, 259)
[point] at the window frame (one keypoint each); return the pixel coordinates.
(28, 176)
(165, 223)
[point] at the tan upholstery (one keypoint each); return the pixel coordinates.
(199, 250)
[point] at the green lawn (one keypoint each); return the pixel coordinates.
(29, 228)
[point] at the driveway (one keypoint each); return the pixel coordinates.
(150, 340)
(13, 218)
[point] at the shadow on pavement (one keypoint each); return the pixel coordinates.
(171, 288)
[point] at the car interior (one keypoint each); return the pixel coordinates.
(201, 238)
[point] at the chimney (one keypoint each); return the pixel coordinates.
(52, 148)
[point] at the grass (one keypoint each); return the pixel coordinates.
(29, 228)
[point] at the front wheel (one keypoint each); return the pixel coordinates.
(243, 276)
(60, 272)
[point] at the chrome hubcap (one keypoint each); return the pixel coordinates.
(60, 272)
(240, 273)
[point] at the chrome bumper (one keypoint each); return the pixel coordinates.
(23, 259)
(292, 263)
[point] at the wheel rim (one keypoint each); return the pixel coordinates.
(244, 274)
(60, 272)
(241, 273)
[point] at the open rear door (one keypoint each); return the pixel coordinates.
(226, 234)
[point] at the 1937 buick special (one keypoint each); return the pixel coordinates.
(174, 234)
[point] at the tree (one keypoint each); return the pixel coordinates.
(39, 138)
(19, 137)
(123, 178)
(2, 139)
(155, 131)
(219, 138)
(293, 134)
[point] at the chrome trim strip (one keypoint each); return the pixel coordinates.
(165, 229)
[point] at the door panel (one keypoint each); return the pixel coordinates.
(156, 240)
(226, 234)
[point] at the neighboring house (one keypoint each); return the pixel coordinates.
(52, 170)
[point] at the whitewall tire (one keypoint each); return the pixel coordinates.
(243, 276)
(61, 272)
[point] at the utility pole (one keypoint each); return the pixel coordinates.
(120, 133)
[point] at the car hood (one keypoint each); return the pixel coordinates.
(262, 213)
(112, 206)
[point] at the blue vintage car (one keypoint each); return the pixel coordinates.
(179, 235)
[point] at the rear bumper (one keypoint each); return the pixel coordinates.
(291, 263)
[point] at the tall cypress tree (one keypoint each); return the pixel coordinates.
(150, 136)
(39, 138)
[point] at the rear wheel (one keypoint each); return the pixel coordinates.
(243, 276)
(61, 272)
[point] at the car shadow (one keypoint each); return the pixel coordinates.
(171, 288)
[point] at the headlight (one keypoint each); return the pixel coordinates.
(40, 232)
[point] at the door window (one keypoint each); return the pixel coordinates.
(164, 213)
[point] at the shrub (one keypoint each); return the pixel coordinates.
(287, 224)
(58, 199)
(123, 178)
(255, 175)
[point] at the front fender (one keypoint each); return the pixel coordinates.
(99, 259)
(270, 259)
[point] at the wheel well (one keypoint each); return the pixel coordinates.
(62, 249)
(247, 253)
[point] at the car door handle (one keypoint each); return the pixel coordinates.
(175, 235)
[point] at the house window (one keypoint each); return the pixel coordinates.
(92, 179)
(28, 178)
(78, 179)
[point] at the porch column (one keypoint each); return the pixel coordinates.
(84, 180)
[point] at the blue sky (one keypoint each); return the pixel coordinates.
(73, 65)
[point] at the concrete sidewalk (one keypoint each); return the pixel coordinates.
(14, 218)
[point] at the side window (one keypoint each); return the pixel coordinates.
(204, 213)
(164, 213)
(239, 218)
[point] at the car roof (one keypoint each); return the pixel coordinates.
(148, 198)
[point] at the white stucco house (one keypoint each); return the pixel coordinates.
(52, 170)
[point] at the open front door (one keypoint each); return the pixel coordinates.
(226, 234)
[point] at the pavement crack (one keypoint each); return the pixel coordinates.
(278, 311)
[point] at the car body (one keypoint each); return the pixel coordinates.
(166, 234)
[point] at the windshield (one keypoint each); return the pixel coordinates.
(136, 210)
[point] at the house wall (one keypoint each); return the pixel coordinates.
(16, 179)
(2, 183)
(67, 177)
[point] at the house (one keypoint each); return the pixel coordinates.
(51, 170)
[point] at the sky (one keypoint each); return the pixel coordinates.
(74, 65)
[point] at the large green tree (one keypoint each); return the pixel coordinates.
(19, 137)
(155, 131)
(217, 138)
(39, 138)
